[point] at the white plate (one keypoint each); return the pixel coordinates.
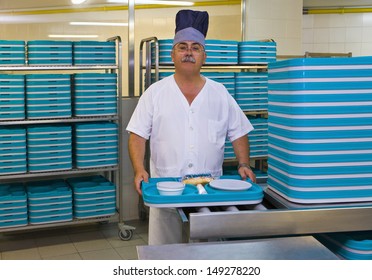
(230, 185)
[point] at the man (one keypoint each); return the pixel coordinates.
(187, 117)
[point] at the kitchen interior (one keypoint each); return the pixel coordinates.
(313, 170)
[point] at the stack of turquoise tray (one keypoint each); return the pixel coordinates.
(225, 78)
(96, 144)
(257, 52)
(12, 97)
(48, 52)
(12, 53)
(165, 49)
(320, 129)
(13, 155)
(13, 205)
(349, 245)
(49, 201)
(93, 196)
(95, 94)
(48, 96)
(49, 148)
(94, 53)
(218, 52)
(251, 91)
(221, 52)
(258, 138)
(190, 196)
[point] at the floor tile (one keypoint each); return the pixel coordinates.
(106, 254)
(57, 250)
(83, 241)
(128, 252)
(24, 254)
(75, 256)
(13, 244)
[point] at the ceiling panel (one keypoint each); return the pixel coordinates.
(44, 4)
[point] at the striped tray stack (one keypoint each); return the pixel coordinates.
(218, 52)
(225, 78)
(12, 97)
(13, 205)
(12, 53)
(96, 144)
(349, 245)
(49, 148)
(48, 96)
(13, 153)
(320, 129)
(95, 94)
(93, 196)
(221, 52)
(257, 52)
(251, 91)
(94, 53)
(49, 201)
(258, 138)
(48, 52)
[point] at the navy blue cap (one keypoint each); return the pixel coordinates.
(191, 26)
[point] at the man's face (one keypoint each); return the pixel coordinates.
(188, 53)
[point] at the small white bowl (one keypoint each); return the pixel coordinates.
(170, 188)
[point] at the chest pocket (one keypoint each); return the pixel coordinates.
(216, 132)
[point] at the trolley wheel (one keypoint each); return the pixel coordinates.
(125, 235)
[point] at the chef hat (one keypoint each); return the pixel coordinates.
(191, 26)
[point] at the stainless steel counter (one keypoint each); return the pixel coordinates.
(284, 220)
(285, 248)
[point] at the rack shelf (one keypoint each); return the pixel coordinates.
(112, 173)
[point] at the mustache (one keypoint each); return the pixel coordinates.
(188, 58)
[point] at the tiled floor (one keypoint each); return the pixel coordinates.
(82, 242)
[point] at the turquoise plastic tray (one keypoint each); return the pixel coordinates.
(349, 245)
(320, 197)
(190, 196)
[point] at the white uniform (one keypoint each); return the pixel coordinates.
(187, 139)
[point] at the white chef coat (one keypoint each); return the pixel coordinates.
(187, 139)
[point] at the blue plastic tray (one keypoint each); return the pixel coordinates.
(190, 196)
(316, 196)
(349, 245)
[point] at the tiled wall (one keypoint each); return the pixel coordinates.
(278, 20)
(338, 33)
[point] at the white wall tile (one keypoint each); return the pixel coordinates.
(308, 21)
(353, 20)
(336, 20)
(353, 34)
(337, 47)
(337, 35)
(321, 21)
(321, 35)
(367, 34)
(366, 49)
(354, 48)
(308, 36)
(321, 48)
(367, 19)
(307, 48)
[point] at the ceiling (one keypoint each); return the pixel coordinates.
(53, 4)
(44, 4)
(28, 11)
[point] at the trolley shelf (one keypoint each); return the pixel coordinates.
(60, 120)
(113, 218)
(56, 173)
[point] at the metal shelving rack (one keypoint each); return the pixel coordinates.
(113, 173)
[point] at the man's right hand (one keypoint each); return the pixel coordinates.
(138, 178)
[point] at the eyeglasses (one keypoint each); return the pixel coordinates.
(183, 48)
